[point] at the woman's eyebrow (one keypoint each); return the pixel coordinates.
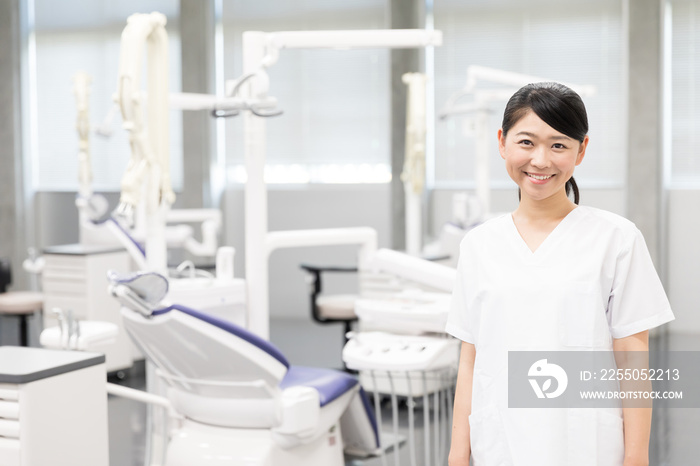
(532, 135)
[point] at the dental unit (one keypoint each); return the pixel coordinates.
(401, 352)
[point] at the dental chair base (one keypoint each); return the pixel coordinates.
(207, 445)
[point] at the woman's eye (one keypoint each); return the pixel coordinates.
(526, 142)
(559, 146)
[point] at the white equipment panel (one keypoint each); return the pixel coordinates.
(401, 364)
(386, 351)
(412, 312)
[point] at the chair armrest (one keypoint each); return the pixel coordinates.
(327, 268)
(300, 411)
(5, 274)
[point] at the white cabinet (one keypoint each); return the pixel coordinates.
(75, 277)
(53, 406)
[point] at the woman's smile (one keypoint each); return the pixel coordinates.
(538, 178)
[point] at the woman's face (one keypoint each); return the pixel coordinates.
(538, 158)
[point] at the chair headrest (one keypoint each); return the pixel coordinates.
(141, 291)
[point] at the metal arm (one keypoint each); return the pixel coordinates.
(260, 50)
(149, 161)
(81, 89)
(413, 175)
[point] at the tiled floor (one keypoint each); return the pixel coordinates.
(675, 432)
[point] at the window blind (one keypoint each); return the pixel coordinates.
(685, 100)
(336, 103)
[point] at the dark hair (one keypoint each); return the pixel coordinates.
(558, 106)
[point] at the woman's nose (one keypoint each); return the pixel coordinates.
(540, 158)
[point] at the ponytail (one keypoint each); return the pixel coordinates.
(572, 186)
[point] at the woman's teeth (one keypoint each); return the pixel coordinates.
(539, 177)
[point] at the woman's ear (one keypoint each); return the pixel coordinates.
(582, 151)
(501, 143)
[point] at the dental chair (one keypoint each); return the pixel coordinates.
(235, 397)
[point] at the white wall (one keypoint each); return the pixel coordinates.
(683, 284)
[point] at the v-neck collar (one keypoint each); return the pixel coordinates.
(551, 237)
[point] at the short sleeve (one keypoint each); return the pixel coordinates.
(638, 301)
(461, 321)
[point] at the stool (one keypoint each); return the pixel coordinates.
(21, 304)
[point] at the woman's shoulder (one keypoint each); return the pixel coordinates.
(491, 224)
(489, 228)
(607, 217)
(604, 220)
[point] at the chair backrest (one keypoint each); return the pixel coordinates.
(206, 355)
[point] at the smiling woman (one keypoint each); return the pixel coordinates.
(551, 276)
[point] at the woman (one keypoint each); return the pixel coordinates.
(551, 276)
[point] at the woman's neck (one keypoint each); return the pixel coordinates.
(553, 208)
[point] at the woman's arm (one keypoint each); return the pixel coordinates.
(637, 420)
(460, 449)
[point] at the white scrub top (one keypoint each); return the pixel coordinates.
(590, 281)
